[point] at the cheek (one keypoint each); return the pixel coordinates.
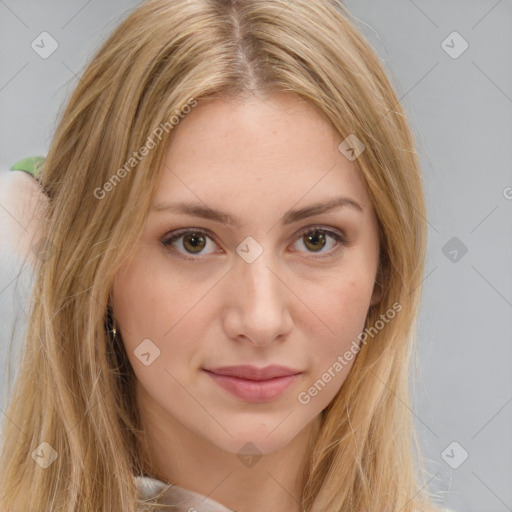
(333, 342)
(341, 307)
(131, 304)
(342, 303)
(141, 298)
(157, 310)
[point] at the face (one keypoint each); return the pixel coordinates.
(248, 274)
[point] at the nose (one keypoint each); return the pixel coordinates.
(259, 302)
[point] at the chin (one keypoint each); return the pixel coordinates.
(263, 438)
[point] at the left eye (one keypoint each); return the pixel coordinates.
(317, 238)
(196, 241)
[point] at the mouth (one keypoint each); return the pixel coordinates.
(253, 384)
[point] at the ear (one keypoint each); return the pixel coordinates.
(380, 282)
(376, 294)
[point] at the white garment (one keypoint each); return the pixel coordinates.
(184, 499)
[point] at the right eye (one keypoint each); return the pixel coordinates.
(188, 241)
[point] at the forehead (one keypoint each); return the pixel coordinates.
(257, 152)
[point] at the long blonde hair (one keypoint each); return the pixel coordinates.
(75, 385)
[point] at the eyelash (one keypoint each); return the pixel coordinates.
(171, 237)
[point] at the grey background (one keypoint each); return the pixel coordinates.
(460, 110)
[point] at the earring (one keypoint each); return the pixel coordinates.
(114, 330)
(110, 325)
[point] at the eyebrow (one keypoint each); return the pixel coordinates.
(289, 217)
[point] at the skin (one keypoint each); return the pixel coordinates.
(297, 304)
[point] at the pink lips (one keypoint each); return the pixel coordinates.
(254, 384)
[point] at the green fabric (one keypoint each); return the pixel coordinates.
(30, 165)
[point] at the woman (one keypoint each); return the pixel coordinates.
(191, 347)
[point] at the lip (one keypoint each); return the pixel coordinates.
(253, 373)
(254, 384)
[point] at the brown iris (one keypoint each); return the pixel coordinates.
(194, 242)
(315, 238)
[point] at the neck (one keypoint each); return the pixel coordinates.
(272, 482)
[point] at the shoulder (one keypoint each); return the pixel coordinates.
(21, 202)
